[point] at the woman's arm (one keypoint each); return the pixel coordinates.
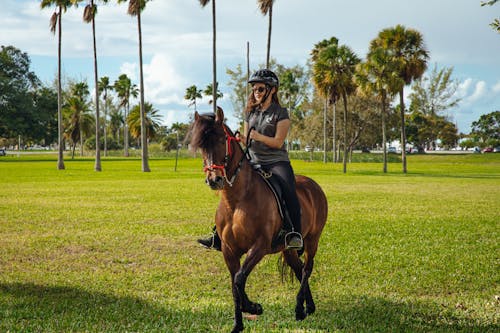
(277, 140)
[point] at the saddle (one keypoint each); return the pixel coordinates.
(274, 183)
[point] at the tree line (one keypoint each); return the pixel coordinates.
(335, 90)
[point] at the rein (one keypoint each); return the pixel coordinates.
(229, 153)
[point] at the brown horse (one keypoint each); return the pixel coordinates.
(248, 219)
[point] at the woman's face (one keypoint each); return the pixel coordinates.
(259, 92)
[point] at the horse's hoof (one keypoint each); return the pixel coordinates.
(300, 315)
(237, 329)
(254, 309)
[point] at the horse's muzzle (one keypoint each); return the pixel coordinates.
(216, 183)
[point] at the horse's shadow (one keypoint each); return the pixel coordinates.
(373, 314)
(31, 307)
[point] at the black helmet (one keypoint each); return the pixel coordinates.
(265, 76)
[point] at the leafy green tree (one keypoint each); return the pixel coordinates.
(378, 76)
(192, 94)
(334, 70)
(56, 21)
(238, 83)
(431, 96)
(105, 86)
(203, 3)
(409, 55)
(18, 86)
(125, 89)
(135, 8)
(266, 8)
(434, 93)
(487, 129)
(153, 121)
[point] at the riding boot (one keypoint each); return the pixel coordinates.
(212, 242)
(293, 238)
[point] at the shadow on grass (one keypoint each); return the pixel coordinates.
(35, 308)
(26, 307)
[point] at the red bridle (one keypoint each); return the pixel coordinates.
(229, 152)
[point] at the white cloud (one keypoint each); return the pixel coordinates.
(480, 91)
(163, 84)
(130, 69)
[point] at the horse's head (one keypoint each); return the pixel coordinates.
(213, 138)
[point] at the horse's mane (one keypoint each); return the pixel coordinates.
(204, 133)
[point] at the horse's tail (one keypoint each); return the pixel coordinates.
(284, 269)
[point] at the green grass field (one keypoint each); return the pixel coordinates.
(115, 251)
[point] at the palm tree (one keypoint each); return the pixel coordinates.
(79, 120)
(134, 9)
(192, 94)
(153, 123)
(214, 53)
(209, 91)
(266, 8)
(56, 20)
(89, 17)
(104, 86)
(333, 73)
(407, 50)
(379, 76)
(124, 88)
(329, 95)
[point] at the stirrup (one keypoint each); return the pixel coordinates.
(291, 235)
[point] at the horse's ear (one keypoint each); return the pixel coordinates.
(196, 116)
(219, 115)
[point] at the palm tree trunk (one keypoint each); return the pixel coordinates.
(268, 56)
(104, 125)
(125, 131)
(324, 131)
(144, 142)
(214, 59)
(60, 156)
(403, 130)
(97, 166)
(344, 155)
(334, 122)
(384, 140)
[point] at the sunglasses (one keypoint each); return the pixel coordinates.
(259, 89)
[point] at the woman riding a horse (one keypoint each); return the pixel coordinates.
(269, 124)
(248, 218)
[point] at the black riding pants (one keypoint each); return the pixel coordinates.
(285, 172)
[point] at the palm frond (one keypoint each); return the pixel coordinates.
(89, 13)
(265, 6)
(203, 3)
(53, 22)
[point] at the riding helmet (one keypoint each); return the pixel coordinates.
(265, 76)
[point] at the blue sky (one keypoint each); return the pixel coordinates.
(177, 43)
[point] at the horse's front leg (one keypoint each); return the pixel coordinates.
(233, 264)
(253, 257)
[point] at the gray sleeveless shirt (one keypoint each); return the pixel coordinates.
(265, 122)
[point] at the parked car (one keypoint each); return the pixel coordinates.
(487, 150)
(496, 149)
(2, 152)
(392, 150)
(308, 148)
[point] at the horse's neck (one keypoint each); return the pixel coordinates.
(242, 186)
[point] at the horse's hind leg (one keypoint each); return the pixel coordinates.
(297, 266)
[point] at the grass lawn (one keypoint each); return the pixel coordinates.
(115, 251)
